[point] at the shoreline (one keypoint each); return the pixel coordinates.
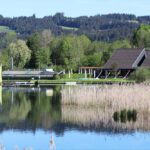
(30, 83)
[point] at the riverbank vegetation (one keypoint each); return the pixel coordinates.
(121, 107)
(43, 49)
(115, 96)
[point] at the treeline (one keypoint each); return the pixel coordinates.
(44, 50)
(100, 27)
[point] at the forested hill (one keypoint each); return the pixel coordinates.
(100, 27)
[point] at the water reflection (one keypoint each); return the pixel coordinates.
(27, 108)
(43, 108)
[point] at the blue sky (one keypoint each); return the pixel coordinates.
(73, 8)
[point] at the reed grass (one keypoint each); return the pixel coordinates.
(94, 106)
(116, 97)
(98, 119)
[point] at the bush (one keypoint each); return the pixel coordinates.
(134, 115)
(73, 76)
(123, 115)
(56, 77)
(129, 115)
(141, 74)
(116, 116)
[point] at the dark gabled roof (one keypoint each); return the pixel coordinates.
(146, 62)
(123, 58)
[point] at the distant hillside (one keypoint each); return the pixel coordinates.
(100, 27)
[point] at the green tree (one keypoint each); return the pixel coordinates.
(43, 57)
(141, 36)
(68, 51)
(33, 42)
(20, 53)
(4, 59)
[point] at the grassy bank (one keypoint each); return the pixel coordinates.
(86, 81)
(73, 79)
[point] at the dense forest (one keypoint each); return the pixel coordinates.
(100, 27)
(61, 42)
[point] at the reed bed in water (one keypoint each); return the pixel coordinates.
(116, 97)
(98, 119)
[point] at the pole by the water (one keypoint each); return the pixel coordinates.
(0, 74)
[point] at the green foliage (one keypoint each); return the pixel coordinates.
(129, 115)
(73, 76)
(20, 110)
(68, 51)
(5, 29)
(43, 57)
(125, 115)
(56, 77)
(116, 116)
(39, 45)
(134, 115)
(20, 52)
(33, 43)
(141, 74)
(4, 59)
(141, 36)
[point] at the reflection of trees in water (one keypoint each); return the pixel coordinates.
(82, 107)
(94, 106)
(45, 112)
(31, 109)
(20, 109)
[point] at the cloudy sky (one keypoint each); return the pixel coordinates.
(73, 8)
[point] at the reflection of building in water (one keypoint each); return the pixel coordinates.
(49, 92)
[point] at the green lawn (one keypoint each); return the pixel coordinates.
(86, 81)
(5, 29)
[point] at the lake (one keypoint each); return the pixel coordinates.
(31, 117)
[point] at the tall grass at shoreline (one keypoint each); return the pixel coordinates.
(116, 97)
(94, 106)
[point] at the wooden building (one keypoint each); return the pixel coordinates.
(125, 61)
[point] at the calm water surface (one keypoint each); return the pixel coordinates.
(30, 116)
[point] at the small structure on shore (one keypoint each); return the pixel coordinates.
(124, 61)
(28, 74)
(121, 64)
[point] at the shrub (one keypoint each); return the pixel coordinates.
(56, 77)
(141, 74)
(123, 115)
(134, 115)
(116, 116)
(73, 76)
(129, 115)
